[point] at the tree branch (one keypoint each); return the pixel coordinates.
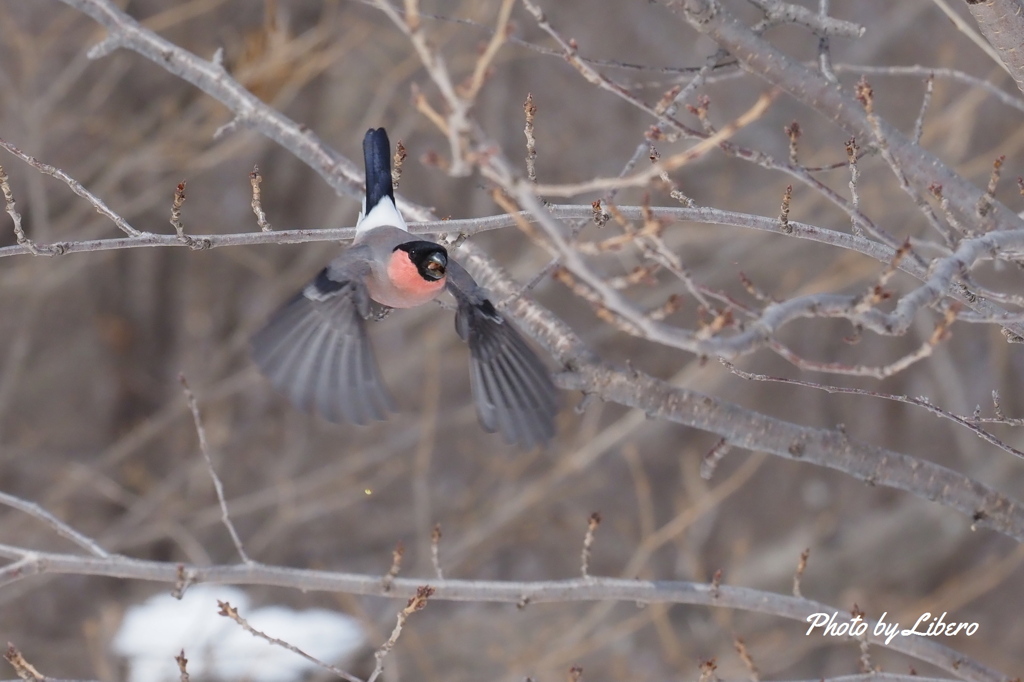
(810, 87)
(1002, 24)
(507, 592)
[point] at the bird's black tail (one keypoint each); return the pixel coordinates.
(377, 157)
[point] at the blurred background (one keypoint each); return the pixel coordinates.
(94, 426)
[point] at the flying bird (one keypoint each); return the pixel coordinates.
(315, 349)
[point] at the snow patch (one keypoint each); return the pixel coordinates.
(154, 632)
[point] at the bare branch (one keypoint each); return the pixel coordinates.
(211, 78)
(577, 590)
(810, 87)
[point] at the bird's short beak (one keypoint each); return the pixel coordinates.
(435, 265)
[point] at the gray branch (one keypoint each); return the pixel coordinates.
(1002, 24)
(508, 592)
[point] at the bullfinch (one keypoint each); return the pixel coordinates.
(315, 349)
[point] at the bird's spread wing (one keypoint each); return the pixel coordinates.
(316, 352)
(512, 388)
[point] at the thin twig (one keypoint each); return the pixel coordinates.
(710, 461)
(26, 671)
(866, 95)
(588, 540)
(929, 86)
(257, 204)
(182, 666)
(229, 611)
(824, 53)
(483, 63)
(748, 661)
(989, 197)
(530, 110)
(12, 210)
(787, 196)
(674, 162)
(204, 447)
(707, 671)
(397, 164)
(793, 133)
(416, 603)
(62, 529)
(800, 568)
(435, 551)
(396, 566)
(179, 201)
(929, 72)
(75, 187)
(917, 402)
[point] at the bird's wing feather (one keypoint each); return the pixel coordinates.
(315, 349)
(512, 389)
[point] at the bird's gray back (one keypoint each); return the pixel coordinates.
(383, 240)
